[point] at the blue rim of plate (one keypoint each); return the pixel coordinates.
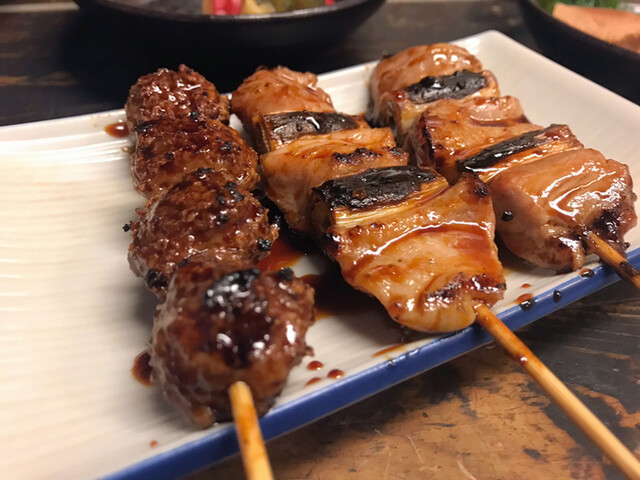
(301, 411)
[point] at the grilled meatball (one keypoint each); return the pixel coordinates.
(203, 213)
(219, 325)
(169, 94)
(168, 149)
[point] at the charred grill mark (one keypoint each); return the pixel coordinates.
(458, 85)
(481, 189)
(155, 279)
(240, 312)
(230, 287)
(143, 127)
(497, 153)
(461, 283)
(289, 126)
(374, 188)
(360, 155)
(608, 224)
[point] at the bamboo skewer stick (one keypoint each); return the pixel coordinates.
(560, 394)
(254, 453)
(612, 257)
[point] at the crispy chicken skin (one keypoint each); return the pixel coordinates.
(225, 322)
(450, 130)
(168, 149)
(276, 91)
(273, 131)
(400, 109)
(170, 94)
(550, 203)
(423, 249)
(531, 146)
(290, 172)
(203, 213)
(412, 65)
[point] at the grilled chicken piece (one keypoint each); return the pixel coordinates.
(423, 249)
(203, 213)
(222, 323)
(410, 66)
(290, 172)
(276, 91)
(399, 109)
(273, 131)
(450, 130)
(168, 94)
(168, 149)
(525, 148)
(544, 208)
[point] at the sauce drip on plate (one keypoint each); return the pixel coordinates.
(118, 129)
(141, 369)
(315, 365)
(526, 301)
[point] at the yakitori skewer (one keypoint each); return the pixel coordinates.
(451, 120)
(339, 215)
(547, 188)
(225, 334)
(613, 258)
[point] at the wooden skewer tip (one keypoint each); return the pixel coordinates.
(614, 258)
(254, 453)
(559, 393)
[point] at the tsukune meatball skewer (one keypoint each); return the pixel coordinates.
(222, 324)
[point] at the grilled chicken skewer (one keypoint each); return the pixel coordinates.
(550, 193)
(278, 106)
(556, 189)
(350, 209)
(225, 334)
(426, 292)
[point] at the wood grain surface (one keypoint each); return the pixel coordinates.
(477, 417)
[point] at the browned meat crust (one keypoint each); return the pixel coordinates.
(423, 249)
(168, 149)
(451, 130)
(552, 202)
(169, 94)
(204, 213)
(401, 108)
(276, 91)
(222, 323)
(291, 171)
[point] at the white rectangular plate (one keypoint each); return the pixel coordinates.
(74, 317)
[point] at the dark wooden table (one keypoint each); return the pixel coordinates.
(477, 417)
